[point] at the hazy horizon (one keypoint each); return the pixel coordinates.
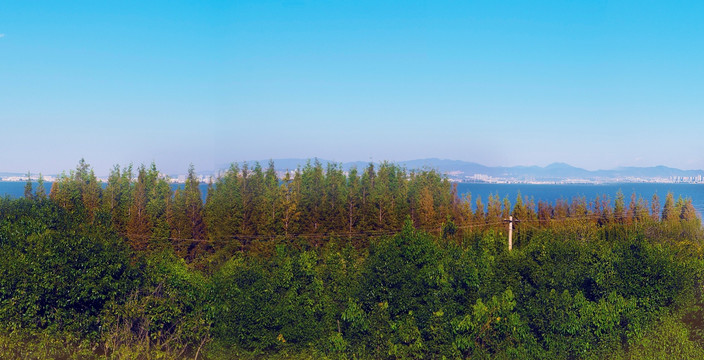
(101, 171)
(596, 85)
(302, 161)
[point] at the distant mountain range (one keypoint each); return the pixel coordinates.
(466, 171)
(556, 172)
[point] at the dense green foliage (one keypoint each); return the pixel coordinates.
(133, 271)
(55, 272)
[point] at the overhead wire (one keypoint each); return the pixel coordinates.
(359, 234)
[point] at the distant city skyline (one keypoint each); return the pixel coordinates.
(453, 170)
(597, 85)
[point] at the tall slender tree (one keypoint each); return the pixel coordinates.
(335, 199)
(188, 225)
(139, 225)
(367, 210)
(40, 193)
(117, 196)
(426, 208)
(159, 208)
(223, 209)
(479, 215)
(354, 200)
(619, 207)
(669, 213)
(519, 210)
(28, 187)
(381, 195)
(655, 208)
(289, 197)
(688, 212)
(272, 211)
(312, 180)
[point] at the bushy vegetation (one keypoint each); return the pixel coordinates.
(133, 271)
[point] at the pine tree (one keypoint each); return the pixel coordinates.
(41, 190)
(632, 214)
(335, 199)
(271, 198)
(382, 196)
(479, 215)
(259, 207)
(28, 187)
(91, 194)
(79, 192)
(117, 197)
(312, 179)
(519, 211)
(545, 213)
(493, 209)
(353, 200)
(66, 193)
(426, 208)
(188, 226)
(247, 228)
(194, 205)
(466, 210)
(604, 211)
(578, 207)
(669, 213)
(619, 207)
(366, 208)
(679, 205)
(457, 213)
(506, 208)
(289, 203)
(655, 208)
(560, 209)
(139, 225)
(441, 190)
(159, 209)
(688, 212)
(531, 213)
(642, 210)
(224, 207)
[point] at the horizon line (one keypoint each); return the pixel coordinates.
(323, 161)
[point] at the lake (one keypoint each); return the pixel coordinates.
(549, 193)
(15, 189)
(552, 193)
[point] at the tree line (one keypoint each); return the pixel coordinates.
(246, 205)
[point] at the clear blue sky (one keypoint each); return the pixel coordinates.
(596, 84)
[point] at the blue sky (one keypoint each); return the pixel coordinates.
(596, 84)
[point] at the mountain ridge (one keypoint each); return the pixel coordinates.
(471, 171)
(460, 170)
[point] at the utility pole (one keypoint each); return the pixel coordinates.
(510, 222)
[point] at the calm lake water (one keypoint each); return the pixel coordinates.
(552, 193)
(549, 193)
(15, 189)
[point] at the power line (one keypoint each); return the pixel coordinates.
(359, 234)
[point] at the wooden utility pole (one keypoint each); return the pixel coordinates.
(510, 232)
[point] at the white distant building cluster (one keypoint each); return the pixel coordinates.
(699, 179)
(15, 178)
(454, 176)
(484, 178)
